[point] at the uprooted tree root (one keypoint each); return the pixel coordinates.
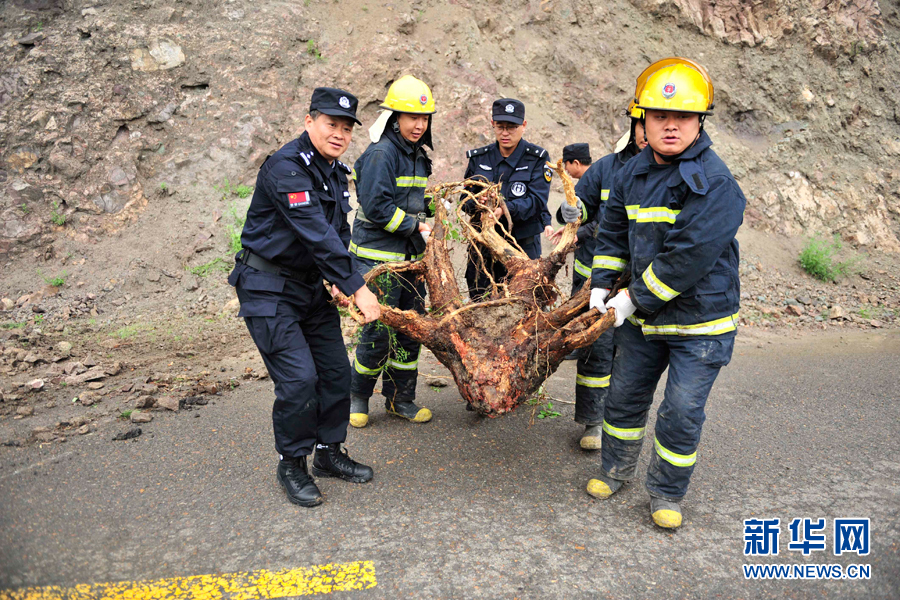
(501, 349)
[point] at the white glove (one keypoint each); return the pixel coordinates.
(447, 205)
(598, 295)
(571, 214)
(623, 305)
(425, 235)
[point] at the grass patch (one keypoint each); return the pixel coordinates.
(313, 49)
(126, 414)
(55, 216)
(228, 190)
(58, 281)
(213, 266)
(127, 331)
(233, 230)
(819, 259)
(13, 325)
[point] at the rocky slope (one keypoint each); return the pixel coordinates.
(101, 102)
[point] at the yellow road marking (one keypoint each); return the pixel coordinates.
(304, 581)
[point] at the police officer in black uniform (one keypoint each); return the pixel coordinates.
(521, 167)
(296, 235)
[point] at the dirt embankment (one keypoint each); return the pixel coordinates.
(127, 127)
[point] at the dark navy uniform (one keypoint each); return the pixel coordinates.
(595, 361)
(391, 176)
(295, 235)
(526, 187)
(676, 224)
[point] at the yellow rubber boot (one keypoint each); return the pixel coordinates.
(408, 410)
(359, 412)
(359, 420)
(590, 439)
(603, 488)
(665, 514)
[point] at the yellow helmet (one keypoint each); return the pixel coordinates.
(633, 111)
(409, 95)
(675, 84)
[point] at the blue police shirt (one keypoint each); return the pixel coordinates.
(526, 183)
(298, 215)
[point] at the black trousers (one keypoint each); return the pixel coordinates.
(298, 334)
(477, 280)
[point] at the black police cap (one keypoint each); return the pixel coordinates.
(334, 102)
(579, 152)
(509, 110)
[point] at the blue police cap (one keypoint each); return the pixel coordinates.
(579, 152)
(334, 102)
(509, 110)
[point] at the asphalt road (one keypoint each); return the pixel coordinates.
(467, 507)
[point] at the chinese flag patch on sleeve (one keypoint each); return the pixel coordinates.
(298, 199)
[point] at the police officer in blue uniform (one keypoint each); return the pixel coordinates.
(595, 361)
(296, 235)
(390, 225)
(673, 212)
(521, 168)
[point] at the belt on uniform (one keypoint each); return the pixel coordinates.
(261, 264)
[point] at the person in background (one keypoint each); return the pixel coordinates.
(391, 176)
(521, 168)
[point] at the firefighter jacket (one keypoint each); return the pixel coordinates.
(391, 176)
(676, 223)
(593, 190)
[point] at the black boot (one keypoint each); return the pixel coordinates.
(296, 481)
(331, 461)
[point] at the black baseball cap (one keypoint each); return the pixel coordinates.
(509, 110)
(334, 102)
(579, 152)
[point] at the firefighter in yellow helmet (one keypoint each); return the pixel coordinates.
(671, 217)
(390, 225)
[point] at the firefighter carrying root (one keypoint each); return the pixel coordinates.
(391, 176)
(673, 212)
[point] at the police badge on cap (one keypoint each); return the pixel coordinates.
(508, 110)
(334, 102)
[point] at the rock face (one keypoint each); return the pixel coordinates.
(829, 27)
(100, 103)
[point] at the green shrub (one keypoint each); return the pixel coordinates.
(819, 259)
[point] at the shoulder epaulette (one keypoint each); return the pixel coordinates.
(535, 150)
(477, 151)
(344, 167)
